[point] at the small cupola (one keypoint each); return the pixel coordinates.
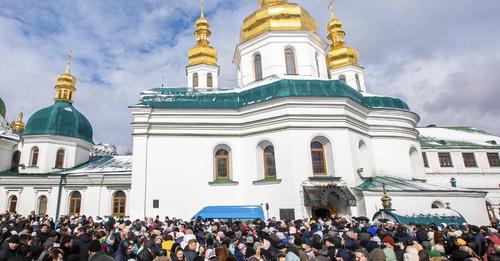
(202, 69)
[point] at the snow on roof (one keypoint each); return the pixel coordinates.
(427, 212)
(104, 164)
(9, 135)
(400, 184)
(457, 137)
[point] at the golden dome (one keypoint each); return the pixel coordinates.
(276, 15)
(18, 125)
(202, 53)
(339, 55)
(66, 83)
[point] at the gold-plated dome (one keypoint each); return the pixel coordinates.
(339, 55)
(66, 83)
(276, 15)
(18, 125)
(202, 53)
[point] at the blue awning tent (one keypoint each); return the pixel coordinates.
(231, 212)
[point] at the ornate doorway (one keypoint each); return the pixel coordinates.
(328, 201)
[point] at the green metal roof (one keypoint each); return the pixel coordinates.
(457, 137)
(3, 109)
(399, 184)
(170, 98)
(424, 217)
(60, 119)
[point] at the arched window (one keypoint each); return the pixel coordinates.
(210, 81)
(42, 205)
(317, 64)
(222, 165)
(358, 82)
(195, 80)
(257, 65)
(437, 204)
(269, 163)
(14, 164)
(290, 61)
(12, 203)
(416, 163)
(318, 158)
(119, 201)
(75, 202)
(59, 159)
(342, 78)
(491, 211)
(34, 157)
(65, 94)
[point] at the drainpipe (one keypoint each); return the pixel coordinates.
(59, 193)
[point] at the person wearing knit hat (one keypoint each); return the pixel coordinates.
(460, 242)
(389, 248)
(377, 255)
(95, 252)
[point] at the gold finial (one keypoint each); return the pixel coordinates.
(66, 82)
(202, 53)
(386, 200)
(70, 60)
(270, 2)
(339, 55)
(18, 125)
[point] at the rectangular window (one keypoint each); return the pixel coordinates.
(469, 159)
(445, 160)
(424, 157)
(156, 203)
(493, 159)
(287, 214)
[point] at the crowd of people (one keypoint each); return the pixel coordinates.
(81, 238)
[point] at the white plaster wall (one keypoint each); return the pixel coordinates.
(271, 47)
(392, 157)
(76, 152)
(473, 208)
(7, 149)
(203, 70)
(350, 76)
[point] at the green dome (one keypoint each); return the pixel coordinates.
(59, 119)
(3, 110)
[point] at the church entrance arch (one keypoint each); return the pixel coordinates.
(328, 201)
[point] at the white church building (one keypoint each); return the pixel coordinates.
(300, 132)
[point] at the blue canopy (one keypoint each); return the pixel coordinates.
(231, 212)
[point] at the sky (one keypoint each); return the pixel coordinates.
(441, 57)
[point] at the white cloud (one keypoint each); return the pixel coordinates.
(410, 49)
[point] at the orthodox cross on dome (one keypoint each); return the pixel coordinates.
(202, 8)
(70, 60)
(330, 8)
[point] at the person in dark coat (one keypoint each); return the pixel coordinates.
(10, 251)
(83, 242)
(125, 251)
(22, 253)
(96, 253)
(190, 250)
